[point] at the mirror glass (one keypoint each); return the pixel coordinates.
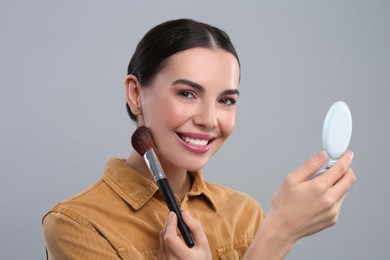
(337, 131)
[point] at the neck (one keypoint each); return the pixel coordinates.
(178, 179)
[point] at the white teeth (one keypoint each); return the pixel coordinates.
(195, 141)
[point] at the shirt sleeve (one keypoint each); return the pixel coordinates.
(68, 239)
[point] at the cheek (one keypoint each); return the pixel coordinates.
(165, 111)
(227, 123)
(175, 113)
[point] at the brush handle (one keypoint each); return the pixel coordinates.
(171, 201)
(158, 174)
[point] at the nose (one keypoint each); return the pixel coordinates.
(206, 116)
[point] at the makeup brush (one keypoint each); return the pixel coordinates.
(142, 142)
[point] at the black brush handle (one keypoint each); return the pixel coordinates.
(170, 200)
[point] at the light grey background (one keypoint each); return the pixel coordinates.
(62, 109)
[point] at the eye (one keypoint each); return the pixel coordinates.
(186, 94)
(228, 101)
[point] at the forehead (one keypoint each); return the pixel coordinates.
(204, 65)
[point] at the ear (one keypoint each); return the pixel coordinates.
(133, 94)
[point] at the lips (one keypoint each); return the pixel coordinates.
(196, 143)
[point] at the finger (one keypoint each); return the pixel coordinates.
(173, 243)
(344, 184)
(164, 230)
(333, 175)
(310, 167)
(171, 226)
(195, 228)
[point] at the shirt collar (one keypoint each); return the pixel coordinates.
(199, 187)
(138, 190)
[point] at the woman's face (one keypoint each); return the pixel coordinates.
(190, 106)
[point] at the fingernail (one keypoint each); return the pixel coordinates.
(351, 155)
(170, 216)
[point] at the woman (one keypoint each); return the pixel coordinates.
(182, 84)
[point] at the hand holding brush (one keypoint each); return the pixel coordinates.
(142, 142)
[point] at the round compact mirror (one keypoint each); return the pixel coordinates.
(336, 132)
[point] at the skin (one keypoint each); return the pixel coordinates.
(195, 93)
(300, 207)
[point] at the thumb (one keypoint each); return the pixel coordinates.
(196, 229)
(171, 229)
(310, 167)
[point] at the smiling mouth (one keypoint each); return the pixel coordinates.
(194, 141)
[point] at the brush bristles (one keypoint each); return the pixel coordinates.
(142, 140)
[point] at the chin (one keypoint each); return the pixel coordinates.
(189, 161)
(193, 166)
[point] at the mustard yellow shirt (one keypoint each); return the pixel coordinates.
(121, 215)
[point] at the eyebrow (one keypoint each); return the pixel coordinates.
(202, 89)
